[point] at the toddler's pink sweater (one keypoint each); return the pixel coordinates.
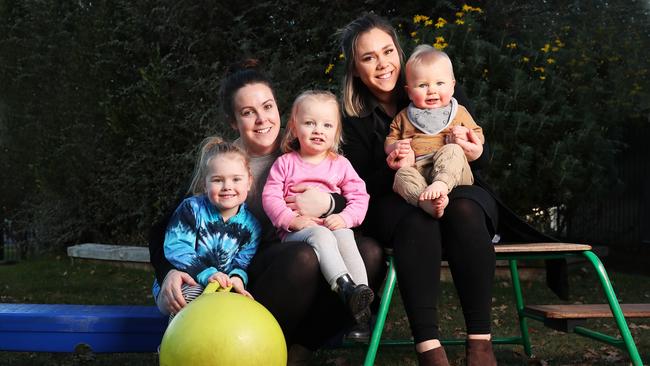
(333, 175)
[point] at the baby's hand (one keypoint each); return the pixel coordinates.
(301, 222)
(222, 278)
(457, 133)
(334, 222)
(403, 148)
(238, 286)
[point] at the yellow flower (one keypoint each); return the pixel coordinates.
(441, 23)
(545, 48)
(459, 14)
(440, 46)
(525, 59)
(555, 49)
(420, 18)
(460, 21)
(428, 23)
(540, 69)
(329, 68)
(341, 56)
(512, 45)
(559, 43)
(467, 8)
(550, 61)
(413, 34)
(440, 39)
(542, 77)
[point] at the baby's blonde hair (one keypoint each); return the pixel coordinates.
(290, 142)
(210, 148)
(426, 54)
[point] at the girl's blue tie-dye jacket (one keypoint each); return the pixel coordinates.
(199, 242)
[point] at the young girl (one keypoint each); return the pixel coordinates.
(212, 235)
(311, 157)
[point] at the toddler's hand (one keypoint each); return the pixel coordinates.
(403, 148)
(238, 286)
(301, 222)
(334, 222)
(457, 133)
(394, 162)
(222, 278)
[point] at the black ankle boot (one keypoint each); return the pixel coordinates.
(359, 332)
(356, 297)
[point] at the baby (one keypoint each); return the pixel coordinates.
(425, 127)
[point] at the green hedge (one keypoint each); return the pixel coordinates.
(102, 103)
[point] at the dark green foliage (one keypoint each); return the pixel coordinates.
(102, 103)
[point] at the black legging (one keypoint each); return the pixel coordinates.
(418, 252)
(286, 279)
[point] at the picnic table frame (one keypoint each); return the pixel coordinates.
(529, 251)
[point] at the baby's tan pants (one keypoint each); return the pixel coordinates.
(448, 165)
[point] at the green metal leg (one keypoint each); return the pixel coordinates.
(386, 297)
(615, 307)
(519, 300)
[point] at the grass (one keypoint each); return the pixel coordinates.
(57, 280)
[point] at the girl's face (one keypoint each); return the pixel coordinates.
(377, 63)
(227, 183)
(315, 125)
(257, 118)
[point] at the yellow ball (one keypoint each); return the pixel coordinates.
(223, 328)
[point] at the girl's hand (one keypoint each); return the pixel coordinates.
(395, 162)
(308, 201)
(334, 222)
(222, 278)
(300, 222)
(170, 290)
(472, 146)
(238, 286)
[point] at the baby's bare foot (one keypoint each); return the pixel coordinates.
(439, 205)
(434, 191)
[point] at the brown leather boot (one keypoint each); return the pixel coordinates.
(433, 357)
(479, 353)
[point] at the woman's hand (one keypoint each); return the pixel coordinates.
(468, 140)
(300, 222)
(238, 286)
(170, 290)
(308, 201)
(222, 278)
(334, 222)
(395, 162)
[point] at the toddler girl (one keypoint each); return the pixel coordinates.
(310, 144)
(212, 235)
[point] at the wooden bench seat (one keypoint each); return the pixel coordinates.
(540, 248)
(62, 328)
(588, 311)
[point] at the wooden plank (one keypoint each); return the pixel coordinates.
(588, 311)
(540, 247)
